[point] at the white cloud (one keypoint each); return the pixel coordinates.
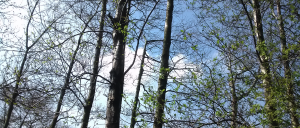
(130, 80)
(182, 67)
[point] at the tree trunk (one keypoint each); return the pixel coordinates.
(234, 104)
(115, 94)
(19, 73)
(23, 121)
(67, 80)
(288, 74)
(270, 105)
(66, 85)
(137, 92)
(93, 81)
(62, 93)
(15, 93)
(164, 68)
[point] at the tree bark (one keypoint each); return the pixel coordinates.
(270, 105)
(115, 94)
(136, 99)
(93, 80)
(23, 121)
(68, 77)
(66, 83)
(164, 68)
(19, 73)
(288, 74)
(15, 93)
(234, 104)
(137, 92)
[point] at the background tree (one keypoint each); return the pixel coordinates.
(30, 42)
(93, 80)
(114, 99)
(164, 68)
(213, 73)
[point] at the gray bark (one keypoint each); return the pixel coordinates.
(19, 73)
(270, 105)
(115, 94)
(163, 77)
(137, 92)
(68, 77)
(136, 99)
(234, 100)
(66, 83)
(288, 74)
(90, 99)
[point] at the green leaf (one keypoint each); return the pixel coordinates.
(194, 47)
(215, 59)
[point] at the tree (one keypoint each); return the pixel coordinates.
(114, 99)
(20, 71)
(223, 64)
(264, 58)
(288, 82)
(164, 68)
(19, 74)
(68, 75)
(93, 80)
(136, 98)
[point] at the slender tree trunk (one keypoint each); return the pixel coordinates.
(234, 104)
(137, 92)
(64, 88)
(264, 57)
(288, 74)
(93, 81)
(164, 68)
(62, 94)
(115, 94)
(19, 73)
(4, 115)
(68, 77)
(23, 121)
(16, 88)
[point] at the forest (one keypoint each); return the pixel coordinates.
(149, 63)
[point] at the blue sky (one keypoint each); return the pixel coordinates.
(184, 22)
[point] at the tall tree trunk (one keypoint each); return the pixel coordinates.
(16, 88)
(63, 90)
(93, 80)
(136, 99)
(66, 83)
(68, 77)
(264, 57)
(288, 74)
(115, 94)
(23, 121)
(137, 92)
(234, 104)
(19, 73)
(164, 68)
